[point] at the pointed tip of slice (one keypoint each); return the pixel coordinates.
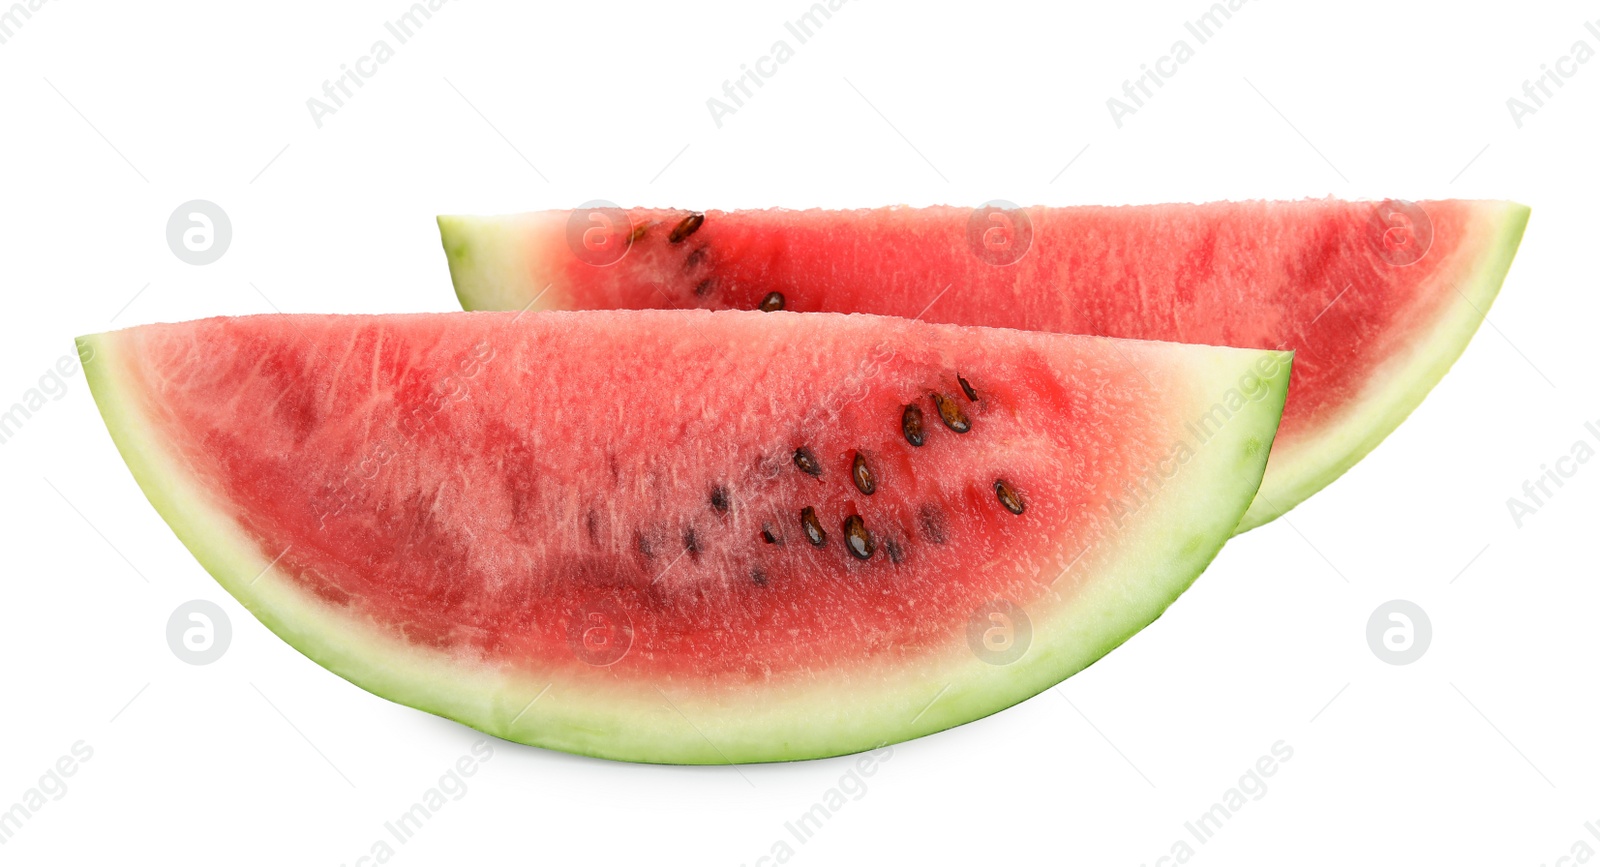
(494, 260)
(1470, 288)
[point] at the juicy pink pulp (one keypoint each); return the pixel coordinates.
(1344, 284)
(523, 489)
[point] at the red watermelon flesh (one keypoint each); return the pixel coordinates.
(1378, 299)
(608, 511)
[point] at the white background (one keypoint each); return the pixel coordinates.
(1483, 752)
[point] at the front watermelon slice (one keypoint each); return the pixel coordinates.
(1378, 298)
(690, 537)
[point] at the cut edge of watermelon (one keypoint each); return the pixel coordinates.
(493, 266)
(1112, 595)
(1399, 386)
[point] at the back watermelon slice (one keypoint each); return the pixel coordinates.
(1378, 298)
(690, 537)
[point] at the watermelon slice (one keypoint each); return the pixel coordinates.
(690, 537)
(1378, 298)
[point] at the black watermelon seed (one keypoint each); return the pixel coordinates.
(891, 546)
(703, 288)
(807, 462)
(911, 424)
(772, 301)
(593, 525)
(686, 228)
(862, 475)
(638, 232)
(966, 387)
(770, 537)
(644, 546)
(695, 257)
(813, 527)
(758, 577)
(952, 414)
(932, 524)
(1007, 497)
(719, 498)
(690, 542)
(857, 539)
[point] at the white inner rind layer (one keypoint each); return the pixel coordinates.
(508, 263)
(1109, 592)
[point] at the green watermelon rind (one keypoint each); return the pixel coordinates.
(1112, 593)
(492, 267)
(1401, 384)
(487, 264)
